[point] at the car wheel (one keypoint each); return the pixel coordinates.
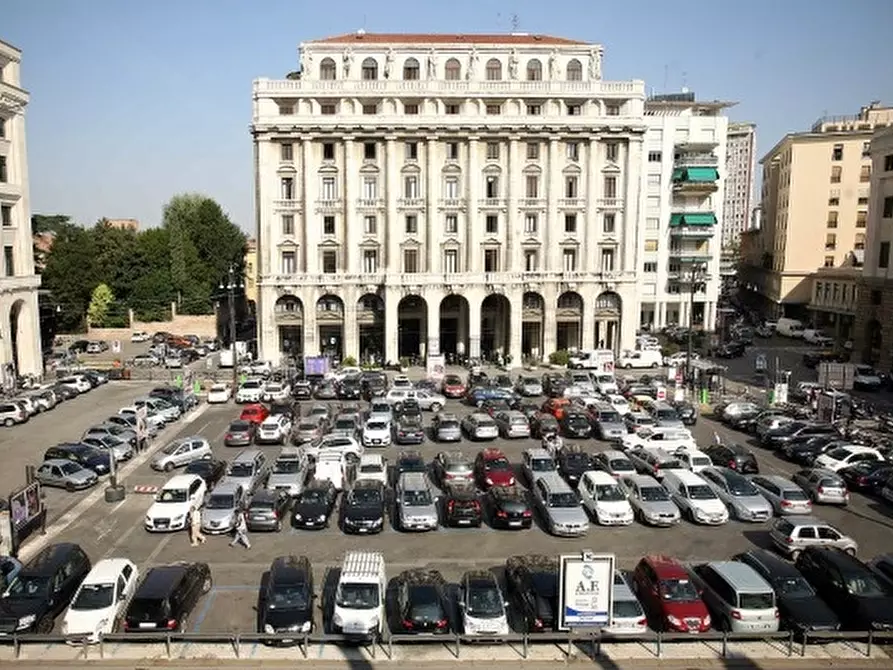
(436, 407)
(8, 422)
(278, 525)
(628, 366)
(168, 466)
(654, 365)
(45, 625)
(70, 487)
(207, 584)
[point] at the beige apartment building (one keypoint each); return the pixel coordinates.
(814, 208)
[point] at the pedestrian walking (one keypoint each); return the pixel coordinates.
(241, 530)
(196, 537)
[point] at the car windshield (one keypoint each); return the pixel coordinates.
(241, 470)
(577, 420)
(609, 417)
(866, 585)
(220, 501)
(609, 493)
(567, 499)
(412, 465)
(740, 487)
(484, 602)
(345, 424)
(94, 597)
(376, 425)
(380, 408)
(357, 596)
(576, 459)
(416, 498)
(451, 424)
(530, 381)
(458, 467)
(173, 496)
(678, 591)
(171, 448)
(667, 415)
(700, 492)
(28, 586)
(497, 464)
(364, 497)
(794, 494)
(286, 466)
(793, 587)
(621, 465)
(542, 464)
(289, 596)
(314, 497)
(653, 494)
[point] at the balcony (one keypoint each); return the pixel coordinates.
(452, 203)
(370, 203)
(532, 203)
(696, 160)
(571, 203)
(695, 180)
(411, 203)
(491, 203)
(329, 205)
(695, 224)
(691, 255)
(287, 204)
(10, 191)
(610, 203)
(19, 283)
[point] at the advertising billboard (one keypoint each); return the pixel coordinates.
(586, 583)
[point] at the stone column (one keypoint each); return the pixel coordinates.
(550, 322)
(268, 332)
(311, 330)
(30, 355)
(592, 218)
(552, 260)
(473, 227)
(474, 326)
(391, 303)
(391, 229)
(429, 187)
(514, 184)
(516, 300)
(350, 328)
(433, 303)
(310, 234)
(587, 325)
(352, 226)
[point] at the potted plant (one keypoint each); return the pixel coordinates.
(404, 364)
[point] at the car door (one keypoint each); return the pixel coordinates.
(587, 492)
(827, 536)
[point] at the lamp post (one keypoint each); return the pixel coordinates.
(698, 275)
(230, 284)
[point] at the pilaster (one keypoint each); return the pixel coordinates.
(433, 235)
(550, 321)
(514, 186)
(516, 322)
(593, 215)
(629, 226)
(391, 230)
(349, 247)
(553, 192)
(310, 233)
(474, 326)
(311, 330)
(350, 328)
(433, 306)
(473, 226)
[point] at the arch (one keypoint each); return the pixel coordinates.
(453, 70)
(412, 327)
(411, 69)
(496, 325)
(534, 70)
(17, 327)
(574, 70)
(370, 327)
(330, 325)
(369, 69)
(569, 321)
(493, 71)
(454, 311)
(289, 308)
(533, 314)
(289, 316)
(608, 303)
(328, 71)
(608, 310)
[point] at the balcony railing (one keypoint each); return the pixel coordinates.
(692, 231)
(421, 279)
(412, 203)
(370, 203)
(491, 203)
(452, 203)
(695, 186)
(329, 203)
(571, 203)
(610, 203)
(532, 202)
(287, 204)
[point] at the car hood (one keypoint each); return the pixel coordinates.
(752, 503)
(419, 512)
(808, 612)
(21, 607)
(568, 514)
(501, 477)
(377, 434)
(659, 507)
(82, 476)
(217, 515)
(283, 618)
(310, 510)
(168, 509)
(87, 621)
(613, 506)
(364, 512)
(286, 479)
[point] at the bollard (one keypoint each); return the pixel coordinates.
(725, 644)
(790, 644)
(660, 644)
(167, 645)
(457, 645)
(868, 645)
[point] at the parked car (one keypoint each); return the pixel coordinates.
(266, 509)
(670, 598)
(461, 505)
(508, 507)
(166, 597)
(212, 470)
(363, 507)
(785, 496)
(287, 600)
(531, 583)
(100, 600)
(421, 603)
(492, 468)
(605, 499)
(743, 500)
(822, 486)
(733, 456)
(650, 501)
(239, 434)
(66, 474)
(173, 503)
(182, 452)
(85, 456)
(482, 605)
(791, 535)
(314, 506)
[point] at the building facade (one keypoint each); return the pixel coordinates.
(456, 194)
(20, 350)
(740, 172)
(678, 249)
(814, 208)
(874, 317)
(250, 263)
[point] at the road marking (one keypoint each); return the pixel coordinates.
(161, 546)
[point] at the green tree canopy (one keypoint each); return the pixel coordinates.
(100, 301)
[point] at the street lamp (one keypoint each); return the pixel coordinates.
(698, 277)
(230, 284)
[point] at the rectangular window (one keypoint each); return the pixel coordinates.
(837, 152)
(370, 225)
(491, 260)
(411, 109)
(649, 267)
(492, 224)
(370, 110)
(370, 261)
(451, 261)
(569, 260)
(574, 110)
(861, 219)
(328, 109)
(888, 208)
(411, 150)
(888, 163)
(532, 186)
(611, 151)
(530, 224)
(573, 151)
(286, 152)
(862, 201)
(494, 110)
(328, 225)
(369, 151)
(451, 223)
(451, 187)
(612, 110)
(534, 110)
(883, 258)
(650, 245)
(836, 171)
(2, 128)
(829, 261)
(453, 151)
(607, 260)
(571, 187)
(411, 186)
(866, 149)
(370, 71)
(533, 151)
(652, 223)
(610, 187)
(288, 224)
(328, 151)
(410, 261)
(570, 223)
(833, 201)
(412, 224)
(370, 188)
(531, 260)
(832, 219)
(330, 262)
(609, 223)
(860, 241)
(286, 110)
(328, 188)
(830, 241)
(865, 173)
(288, 262)
(287, 188)
(452, 110)
(4, 177)
(6, 215)
(492, 151)
(9, 261)
(655, 156)
(653, 181)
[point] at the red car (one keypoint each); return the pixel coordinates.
(453, 387)
(255, 414)
(671, 600)
(492, 468)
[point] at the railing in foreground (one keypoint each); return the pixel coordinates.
(570, 642)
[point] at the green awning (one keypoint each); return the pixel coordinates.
(678, 173)
(676, 220)
(701, 174)
(699, 219)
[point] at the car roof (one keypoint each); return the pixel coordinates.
(492, 454)
(180, 481)
(161, 580)
(367, 484)
(291, 569)
(60, 462)
(666, 567)
(740, 576)
(106, 570)
(48, 559)
(289, 453)
(600, 477)
(372, 458)
(772, 564)
(641, 480)
(778, 480)
(615, 453)
(227, 486)
(260, 495)
(247, 455)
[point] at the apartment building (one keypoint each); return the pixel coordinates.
(465, 194)
(682, 190)
(814, 207)
(874, 316)
(740, 171)
(20, 350)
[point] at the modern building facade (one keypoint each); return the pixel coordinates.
(740, 172)
(678, 247)
(20, 350)
(458, 194)
(874, 316)
(814, 208)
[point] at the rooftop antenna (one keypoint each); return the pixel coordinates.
(516, 23)
(666, 76)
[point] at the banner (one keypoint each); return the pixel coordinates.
(586, 583)
(436, 368)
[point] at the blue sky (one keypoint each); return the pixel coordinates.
(132, 101)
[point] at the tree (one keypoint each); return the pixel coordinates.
(49, 223)
(70, 275)
(100, 302)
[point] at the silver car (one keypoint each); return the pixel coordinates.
(380, 410)
(114, 430)
(480, 426)
(784, 495)
(308, 429)
(121, 450)
(416, 506)
(513, 424)
(791, 535)
(181, 453)
(221, 507)
(559, 506)
(650, 501)
(289, 472)
(65, 474)
(529, 387)
(446, 428)
(741, 497)
(823, 486)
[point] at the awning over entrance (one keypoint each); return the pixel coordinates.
(693, 219)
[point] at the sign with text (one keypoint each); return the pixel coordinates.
(586, 583)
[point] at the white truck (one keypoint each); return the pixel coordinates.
(359, 610)
(227, 360)
(600, 360)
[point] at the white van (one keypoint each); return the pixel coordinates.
(601, 360)
(359, 608)
(647, 358)
(790, 328)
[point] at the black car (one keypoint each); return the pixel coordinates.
(409, 461)
(733, 456)
(806, 452)
(420, 603)
(166, 597)
(363, 507)
(573, 462)
(302, 390)
(799, 607)
(867, 476)
(266, 510)
(796, 432)
(212, 470)
(175, 396)
(544, 424)
(554, 384)
(408, 408)
(408, 429)
(687, 412)
(43, 589)
(314, 506)
(508, 507)
(730, 350)
(94, 459)
(286, 604)
(575, 424)
(531, 584)
(851, 589)
(64, 392)
(461, 505)
(349, 389)
(374, 384)
(745, 420)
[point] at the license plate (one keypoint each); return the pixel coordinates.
(363, 530)
(514, 524)
(355, 628)
(148, 625)
(464, 522)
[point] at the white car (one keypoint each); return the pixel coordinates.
(100, 599)
(668, 439)
(274, 429)
(697, 501)
(250, 391)
(817, 337)
(377, 433)
(619, 403)
(693, 459)
(401, 382)
(170, 511)
(380, 409)
(374, 467)
(604, 499)
(679, 358)
(343, 443)
(140, 336)
(259, 368)
(276, 392)
(843, 457)
(347, 371)
(219, 393)
(606, 383)
(154, 420)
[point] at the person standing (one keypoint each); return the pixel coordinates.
(196, 536)
(241, 530)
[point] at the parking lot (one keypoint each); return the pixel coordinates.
(106, 530)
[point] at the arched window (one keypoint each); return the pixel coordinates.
(574, 70)
(370, 69)
(494, 70)
(534, 70)
(327, 70)
(453, 70)
(411, 69)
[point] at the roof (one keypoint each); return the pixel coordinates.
(106, 570)
(49, 558)
(740, 576)
(362, 37)
(160, 581)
